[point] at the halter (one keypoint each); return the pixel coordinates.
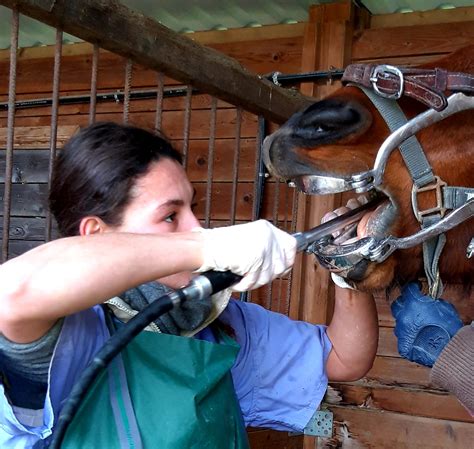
(385, 84)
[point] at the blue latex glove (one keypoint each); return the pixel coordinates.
(423, 325)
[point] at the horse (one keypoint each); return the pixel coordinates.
(333, 146)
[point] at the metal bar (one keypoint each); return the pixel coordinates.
(110, 96)
(126, 94)
(259, 170)
(276, 205)
(285, 227)
(210, 160)
(281, 79)
(7, 196)
(54, 120)
(187, 124)
(259, 182)
(159, 100)
(294, 214)
(94, 74)
(235, 165)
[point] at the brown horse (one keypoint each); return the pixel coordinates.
(340, 136)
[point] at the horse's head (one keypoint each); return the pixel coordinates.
(340, 136)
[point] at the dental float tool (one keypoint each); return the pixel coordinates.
(200, 287)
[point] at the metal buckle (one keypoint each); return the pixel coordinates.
(382, 70)
(437, 185)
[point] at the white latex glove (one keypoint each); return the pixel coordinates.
(258, 251)
(340, 281)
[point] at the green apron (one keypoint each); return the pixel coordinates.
(180, 395)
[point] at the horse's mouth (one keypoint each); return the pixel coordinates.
(376, 224)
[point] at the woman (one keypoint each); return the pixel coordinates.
(124, 205)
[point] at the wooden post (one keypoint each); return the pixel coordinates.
(327, 44)
(145, 41)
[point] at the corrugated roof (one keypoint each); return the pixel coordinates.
(198, 15)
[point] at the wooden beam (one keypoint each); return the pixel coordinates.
(408, 41)
(416, 18)
(37, 136)
(419, 402)
(364, 428)
(120, 30)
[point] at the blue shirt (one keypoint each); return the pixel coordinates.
(279, 374)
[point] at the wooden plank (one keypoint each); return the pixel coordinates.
(265, 56)
(28, 228)
(417, 18)
(398, 371)
(406, 61)
(357, 428)
(222, 196)
(411, 41)
(37, 136)
(152, 45)
(18, 247)
(29, 166)
(387, 343)
(262, 33)
(173, 122)
(32, 165)
(30, 200)
(223, 159)
(271, 439)
(431, 404)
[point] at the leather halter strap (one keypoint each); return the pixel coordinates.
(425, 85)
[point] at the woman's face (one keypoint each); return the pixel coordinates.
(162, 201)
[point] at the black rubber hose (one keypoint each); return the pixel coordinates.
(104, 356)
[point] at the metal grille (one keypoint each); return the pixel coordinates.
(220, 144)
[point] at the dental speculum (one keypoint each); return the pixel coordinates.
(343, 258)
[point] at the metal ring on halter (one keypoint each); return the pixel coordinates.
(380, 71)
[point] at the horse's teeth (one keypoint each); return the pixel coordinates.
(362, 199)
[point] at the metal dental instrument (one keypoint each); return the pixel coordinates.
(340, 258)
(307, 238)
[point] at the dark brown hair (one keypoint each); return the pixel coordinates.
(97, 168)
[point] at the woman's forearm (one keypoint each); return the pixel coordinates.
(72, 274)
(353, 332)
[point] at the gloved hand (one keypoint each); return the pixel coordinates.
(258, 251)
(423, 325)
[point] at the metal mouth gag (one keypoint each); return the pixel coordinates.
(343, 258)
